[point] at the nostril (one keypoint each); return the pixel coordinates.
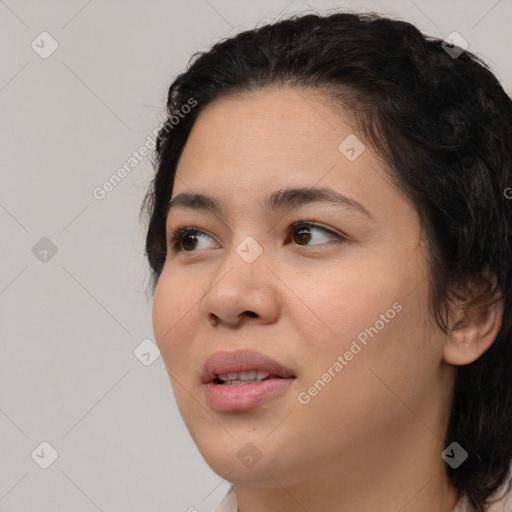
(214, 319)
(252, 314)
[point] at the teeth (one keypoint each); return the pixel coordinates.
(243, 377)
(238, 382)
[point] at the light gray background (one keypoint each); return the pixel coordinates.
(69, 326)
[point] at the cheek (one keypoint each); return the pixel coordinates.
(380, 355)
(173, 308)
(344, 301)
(377, 316)
(376, 290)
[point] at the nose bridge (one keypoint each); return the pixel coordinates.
(242, 266)
(247, 240)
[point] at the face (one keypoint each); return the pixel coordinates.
(334, 289)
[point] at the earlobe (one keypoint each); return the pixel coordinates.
(474, 332)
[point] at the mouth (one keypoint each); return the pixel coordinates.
(242, 367)
(242, 380)
(245, 377)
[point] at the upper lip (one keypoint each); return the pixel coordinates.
(224, 362)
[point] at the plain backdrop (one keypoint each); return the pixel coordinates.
(74, 309)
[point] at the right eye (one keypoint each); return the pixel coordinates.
(186, 239)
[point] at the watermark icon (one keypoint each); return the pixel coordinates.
(351, 147)
(454, 45)
(454, 455)
(44, 250)
(44, 455)
(44, 45)
(101, 191)
(508, 193)
(304, 397)
(146, 352)
(249, 249)
(249, 455)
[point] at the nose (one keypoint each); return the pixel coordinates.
(241, 292)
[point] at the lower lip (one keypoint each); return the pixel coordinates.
(223, 397)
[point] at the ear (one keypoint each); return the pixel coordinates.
(475, 324)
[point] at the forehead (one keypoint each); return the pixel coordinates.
(279, 133)
(282, 118)
(243, 148)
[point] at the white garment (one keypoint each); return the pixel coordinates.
(229, 504)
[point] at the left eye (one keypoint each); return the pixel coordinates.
(302, 233)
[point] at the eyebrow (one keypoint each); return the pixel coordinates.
(278, 200)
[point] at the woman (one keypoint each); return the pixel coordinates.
(330, 237)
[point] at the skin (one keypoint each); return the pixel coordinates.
(372, 438)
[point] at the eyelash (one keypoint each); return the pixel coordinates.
(176, 236)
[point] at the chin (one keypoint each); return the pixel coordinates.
(252, 462)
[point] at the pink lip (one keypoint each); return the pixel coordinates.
(245, 396)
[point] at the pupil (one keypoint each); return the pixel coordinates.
(304, 231)
(184, 243)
